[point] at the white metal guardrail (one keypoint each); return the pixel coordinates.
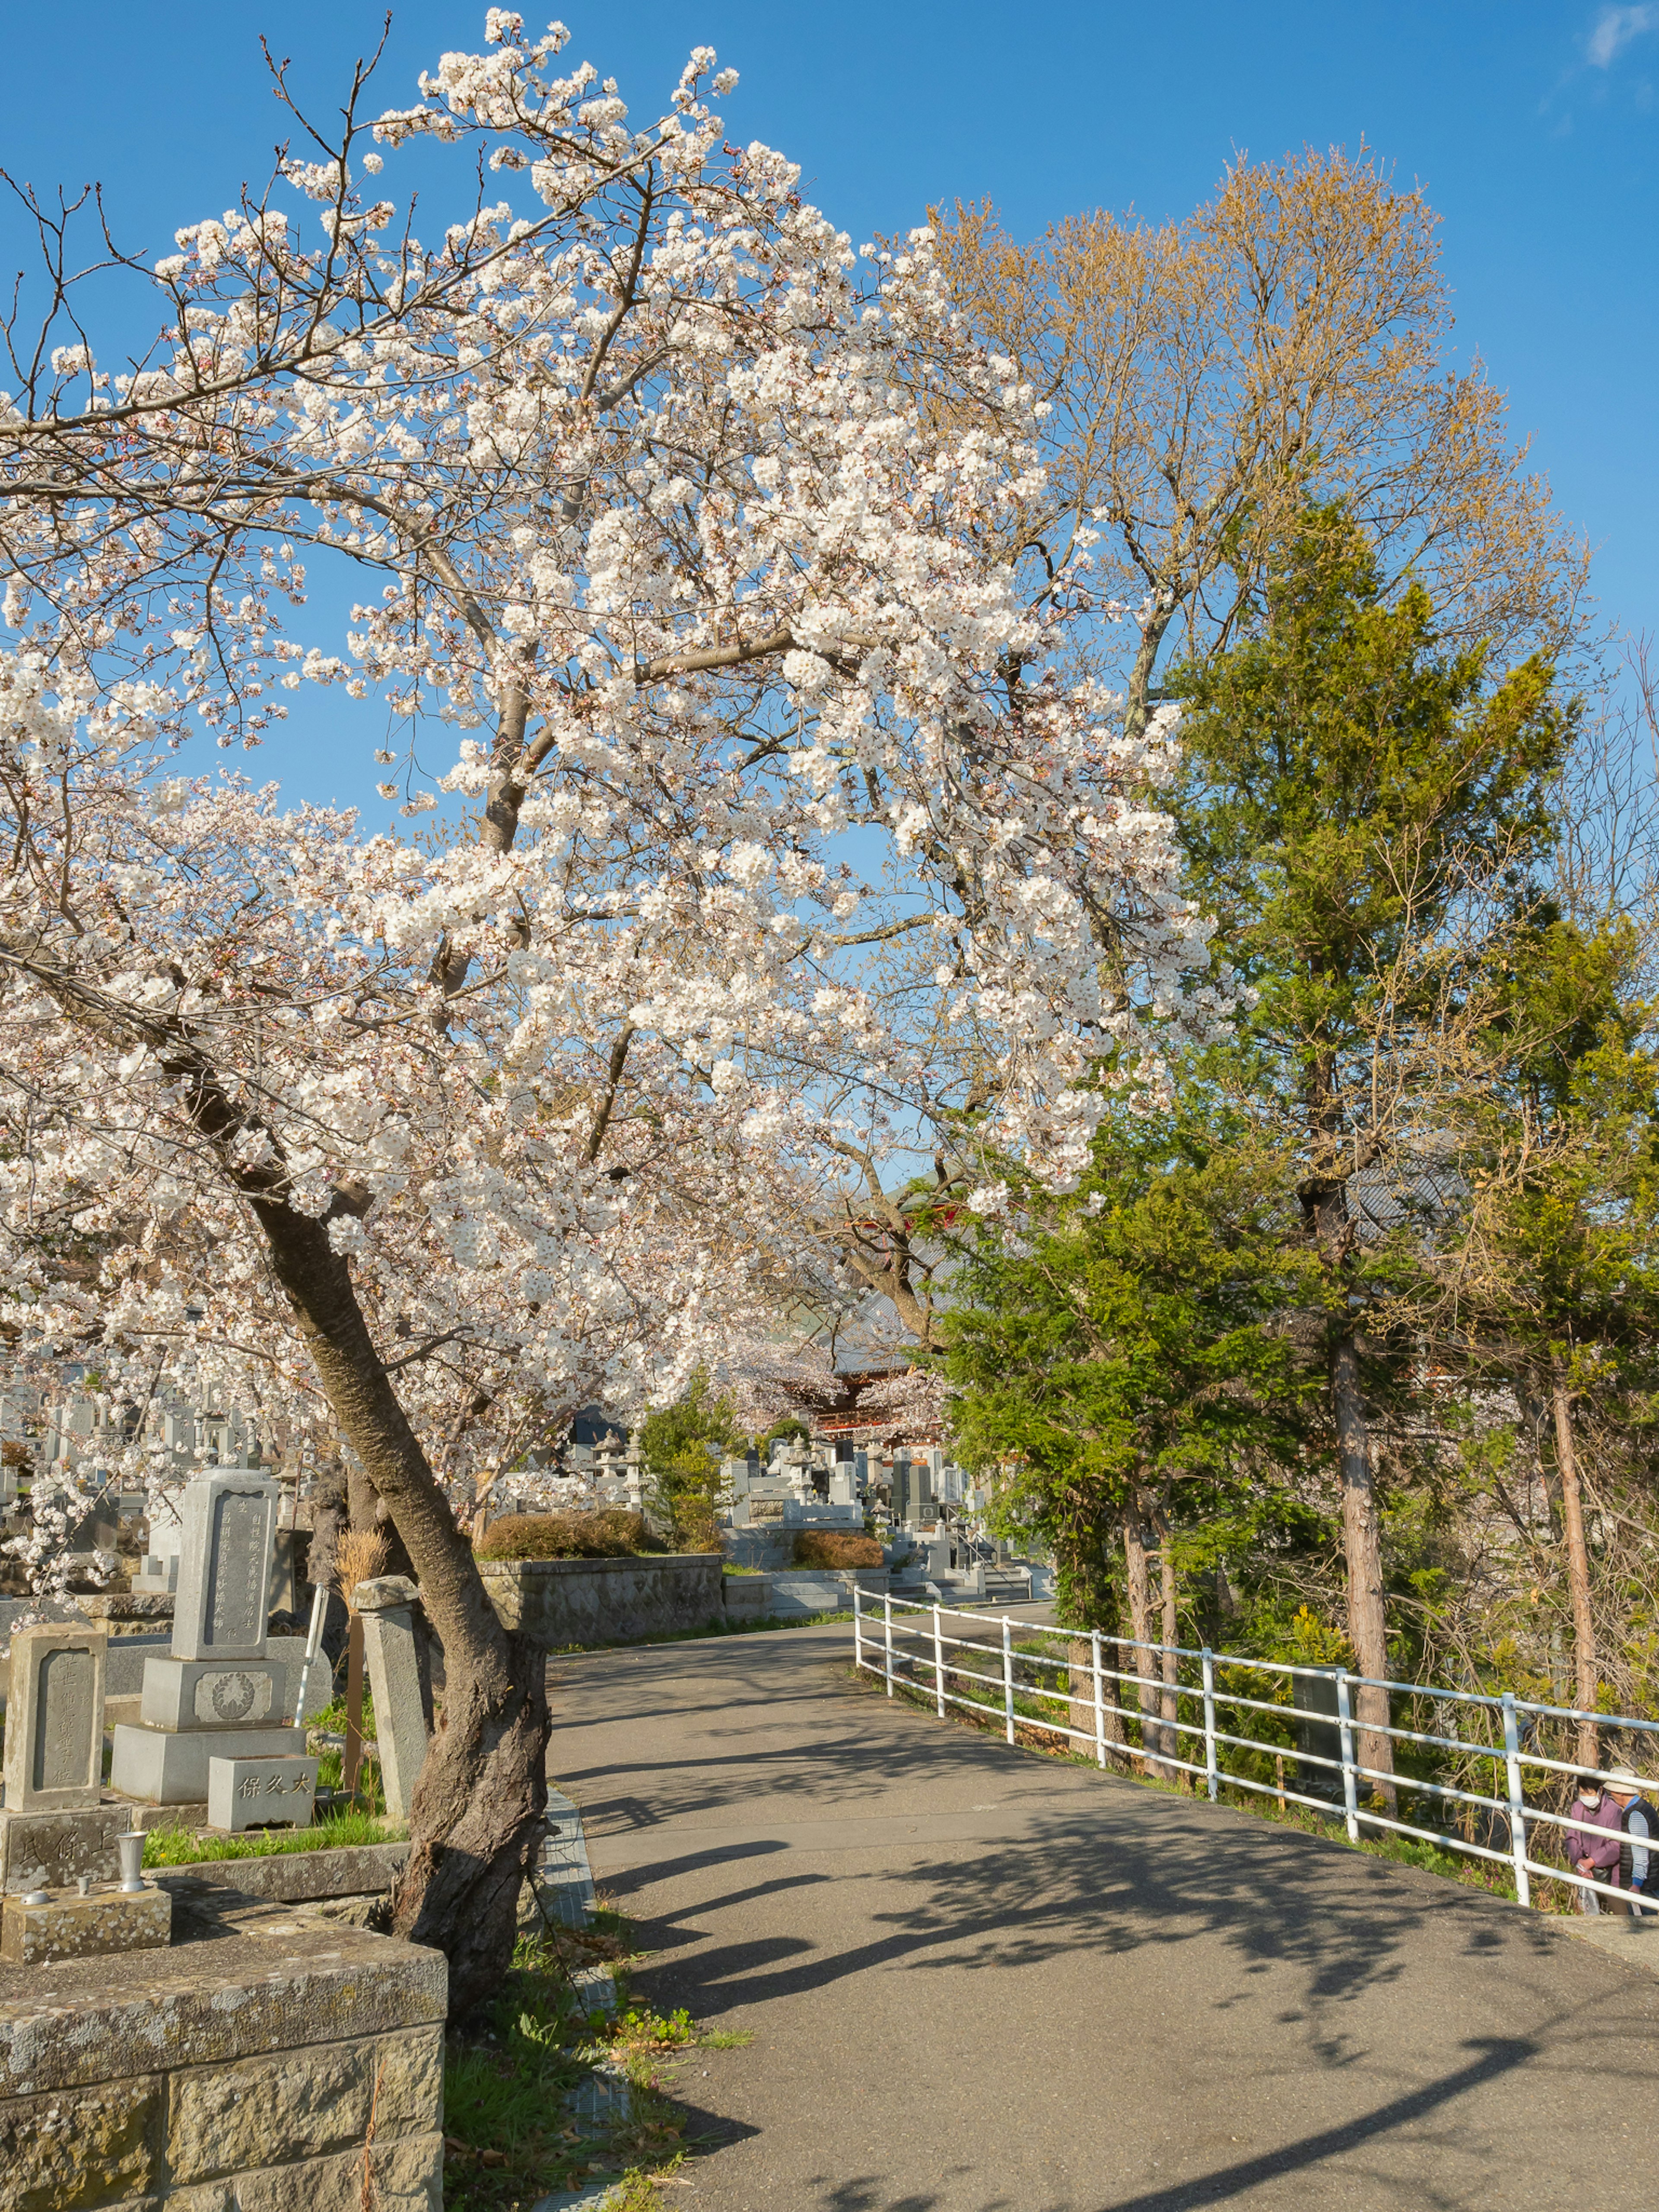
(918, 1662)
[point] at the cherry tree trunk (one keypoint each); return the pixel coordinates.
(479, 1804)
(1587, 1687)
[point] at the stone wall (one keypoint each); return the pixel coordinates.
(769, 1549)
(289, 2065)
(291, 1877)
(801, 1591)
(561, 1602)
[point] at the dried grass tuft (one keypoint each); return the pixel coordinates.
(360, 1554)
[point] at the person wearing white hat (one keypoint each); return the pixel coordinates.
(1639, 1855)
(1594, 1854)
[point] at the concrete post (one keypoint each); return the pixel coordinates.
(1345, 1723)
(384, 1606)
(1517, 1802)
(1100, 1702)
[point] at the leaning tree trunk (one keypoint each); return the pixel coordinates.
(483, 1790)
(1587, 1687)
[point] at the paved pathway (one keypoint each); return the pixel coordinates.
(978, 1981)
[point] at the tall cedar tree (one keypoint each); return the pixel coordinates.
(1352, 792)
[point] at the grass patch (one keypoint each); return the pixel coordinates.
(510, 2135)
(333, 1718)
(173, 1847)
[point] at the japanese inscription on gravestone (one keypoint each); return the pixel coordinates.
(225, 1565)
(237, 1572)
(63, 1744)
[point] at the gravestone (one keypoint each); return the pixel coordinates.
(55, 1718)
(912, 1489)
(261, 1793)
(842, 1492)
(225, 1564)
(219, 1693)
(158, 1572)
(385, 1608)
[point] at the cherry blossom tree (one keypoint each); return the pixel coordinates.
(774, 826)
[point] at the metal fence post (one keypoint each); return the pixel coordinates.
(1345, 1724)
(1517, 1803)
(857, 1630)
(939, 1664)
(1100, 1705)
(887, 1604)
(1210, 1767)
(1008, 1675)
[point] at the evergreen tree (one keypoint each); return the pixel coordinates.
(1554, 1282)
(1124, 1348)
(682, 1447)
(1360, 810)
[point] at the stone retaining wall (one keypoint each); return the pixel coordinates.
(290, 2065)
(801, 1591)
(291, 1877)
(559, 1601)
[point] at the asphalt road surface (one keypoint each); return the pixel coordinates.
(981, 1981)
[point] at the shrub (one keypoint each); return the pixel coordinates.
(836, 1548)
(613, 1533)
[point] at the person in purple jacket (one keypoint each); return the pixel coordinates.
(1594, 1855)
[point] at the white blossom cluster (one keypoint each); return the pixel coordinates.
(688, 520)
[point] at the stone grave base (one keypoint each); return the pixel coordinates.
(290, 1877)
(67, 1925)
(290, 2064)
(172, 1770)
(52, 1851)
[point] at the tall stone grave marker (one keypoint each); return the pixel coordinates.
(385, 1608)
(219, 1694)
(55, 1718)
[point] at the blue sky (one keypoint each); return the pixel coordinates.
(1533, 128)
